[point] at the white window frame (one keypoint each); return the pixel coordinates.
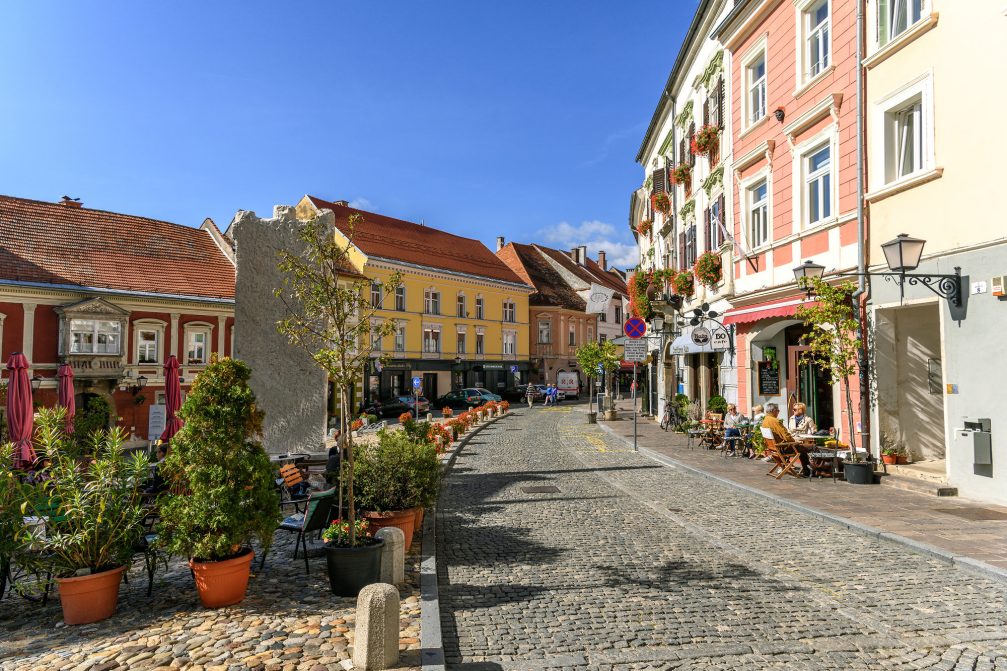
(400, 298)
(748, 186)
(158, 327)
(805, 32)
(194, 328)
(480, 307)
(509, 344)
(819, 180)
(509, 311)
(717, 230)
(461, 305)
(547, 323)
(618, 314)
(802, 152)
(400, 338)
(883, 143)
(460, 341)
(480, 344)
(431, 302)
(95, 333)
(431, 344)
(571, 339)
(375, 338)
(759, 51)
(887, 10)
(376, 298)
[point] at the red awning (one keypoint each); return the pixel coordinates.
(754, 313)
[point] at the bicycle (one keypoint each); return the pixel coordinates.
(670, 420)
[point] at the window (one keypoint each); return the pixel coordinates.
(603, 316)
(93, 336)
(375, 295)
(146, 346)
(618, 314)
(545, 332)
(432, 302)
(461, 306)
(461, 343)
(479, 308)
(509, 343)
(904, 143)
(400, 339)
(690, 247)
(758, 214)
(509, 311)
(375, 336)
(896, 17)
(480, 343)
(602, 337)
(904, 137)
(431, 340)
(756, 88)
(818, 184)
(572, 341)
(816, 29)
(400, 299)
(714, 225)
(590, 334)
(196, 347)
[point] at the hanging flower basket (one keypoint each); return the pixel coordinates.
(709, 269)
(684, 284)
(645, 227)
(705, 140)
(661, 202)
(680, 173)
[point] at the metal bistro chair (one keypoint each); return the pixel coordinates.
(315, 518)
(290, 478)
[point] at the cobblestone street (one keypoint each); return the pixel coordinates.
(560, 548)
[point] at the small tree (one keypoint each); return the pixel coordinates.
(834, 338)
(330, 316)
(592, 356)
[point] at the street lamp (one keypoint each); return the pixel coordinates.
(141, 382)
(902, 254)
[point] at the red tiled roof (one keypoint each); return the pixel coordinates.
(60, 244)
(399, 240)
(550, 287)
(590, 273)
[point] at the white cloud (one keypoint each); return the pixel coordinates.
(595, 235)
(363, 204)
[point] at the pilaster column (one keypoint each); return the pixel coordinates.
(221, 329)
(28, 333)
(175, 349)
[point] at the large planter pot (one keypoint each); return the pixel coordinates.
(90, 598)
(611, 415)
(902, 459)
(352, 569)
(418, 519)
(592, 418)
(403, 519)
(222, 583)
(860, 473)
(890, 459)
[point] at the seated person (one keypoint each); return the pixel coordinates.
(731, 419)
(782, 436)
(800, 422)
(157, 483)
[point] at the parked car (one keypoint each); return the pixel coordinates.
(460, 399)
(417, 405)
(485, 395)
(519, 393)
(387, 407)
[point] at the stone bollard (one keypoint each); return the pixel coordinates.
(393, 555)
(430, 417)
(376, 639)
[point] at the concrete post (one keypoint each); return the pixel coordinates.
(376, 639)
(393, 555)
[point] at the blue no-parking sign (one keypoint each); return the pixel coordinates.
(635, 328)
(417, 382)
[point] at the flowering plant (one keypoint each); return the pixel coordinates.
(645, 226)
(680, 173)
(661, 202)
(705, 140)
(505, 405)
(684, 283)
(709, 268)
(337, 534)
(405, 417)
(447, 412)
(356, 424)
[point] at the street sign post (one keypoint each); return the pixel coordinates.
(635, 448)
(635, 351)
(417, 383)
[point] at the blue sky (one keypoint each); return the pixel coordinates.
(519, 118)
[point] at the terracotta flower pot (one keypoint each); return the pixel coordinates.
(903, 459)
(222, 583)
(90, 598)
(890, 459)
(403, 519)
(418, 519)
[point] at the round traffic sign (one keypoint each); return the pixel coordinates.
(635, 328)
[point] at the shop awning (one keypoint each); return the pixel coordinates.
(754, 313)
(683, 345)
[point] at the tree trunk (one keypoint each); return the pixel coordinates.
(849, 419)
(351, 513)
(590, 395)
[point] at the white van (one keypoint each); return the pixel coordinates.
(568, 383)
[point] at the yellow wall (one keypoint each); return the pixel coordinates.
(963, 53)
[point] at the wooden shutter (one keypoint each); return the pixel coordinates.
(681, 251)
(659, 181)
(721, 95)
(706, 111)
(682, 150)
(692, 134)
(707, 239)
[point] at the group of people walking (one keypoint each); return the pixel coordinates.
(550, 395)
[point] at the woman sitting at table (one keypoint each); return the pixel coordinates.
(731, 420)
(799, 422)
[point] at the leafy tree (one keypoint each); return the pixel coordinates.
(330, 316)
(834, 338)
(222, 490)
(592, 355)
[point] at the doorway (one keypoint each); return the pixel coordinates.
(811, 385)
(430, 386)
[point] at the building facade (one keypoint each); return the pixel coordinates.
(934, 361)
(113, 295)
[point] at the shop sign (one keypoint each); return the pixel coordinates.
(701, 336)
(493, 366)
(721, 341)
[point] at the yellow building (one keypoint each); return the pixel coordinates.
(461, 314)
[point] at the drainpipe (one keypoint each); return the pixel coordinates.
(863, 292)
(672, 260)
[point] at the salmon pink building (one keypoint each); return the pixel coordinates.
(113, 295)
(793, 105)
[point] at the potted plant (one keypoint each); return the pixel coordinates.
(889, 456)
(661, 202)
(684, 283)
(833, 339)
(645, 227)
(351, 566)
(709, 268)
(705, 139)
(447, 412)
(592, 358)
(12, 526)
(93, 511)
(680, 173)
(223, 494)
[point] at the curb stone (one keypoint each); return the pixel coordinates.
(431, 639)
(964, 562)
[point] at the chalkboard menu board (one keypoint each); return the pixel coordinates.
(769, 379)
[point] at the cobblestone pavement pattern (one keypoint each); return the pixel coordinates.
(287, 622)
(634, 565)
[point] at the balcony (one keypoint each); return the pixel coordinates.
(96, 366)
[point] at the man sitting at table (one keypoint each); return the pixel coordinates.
(781, 435)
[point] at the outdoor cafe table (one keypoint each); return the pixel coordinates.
(818, 456)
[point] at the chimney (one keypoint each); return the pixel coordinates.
(500, 242)
(344, 203)
(601, 259)
(67, 201)
(582, 255)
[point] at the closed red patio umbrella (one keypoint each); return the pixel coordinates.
(19, 410)
(66, 395)
(172, 398)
